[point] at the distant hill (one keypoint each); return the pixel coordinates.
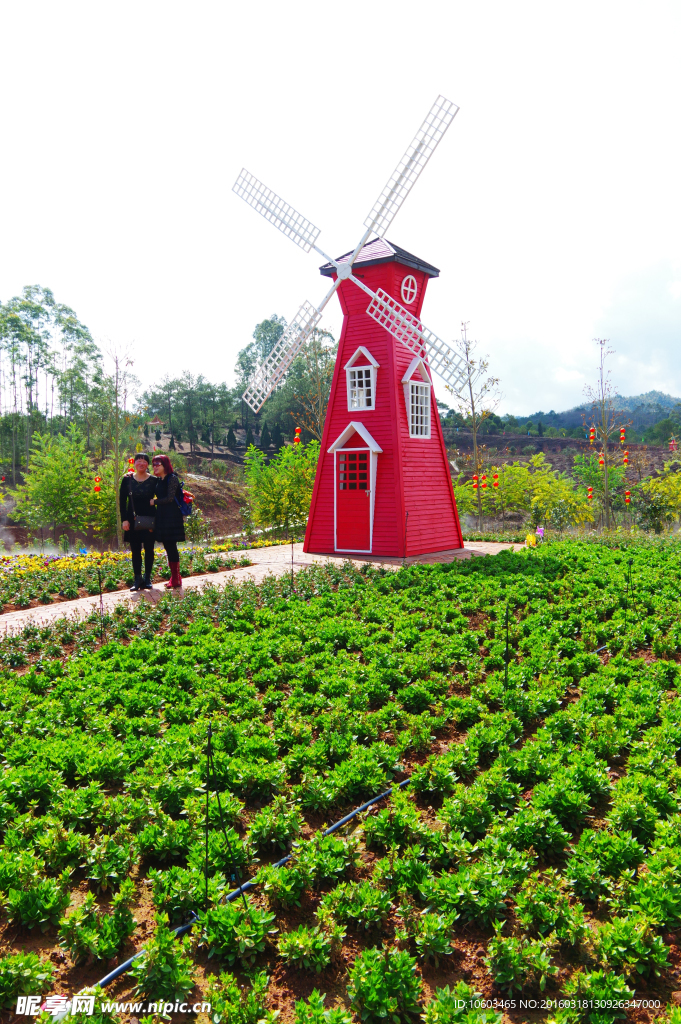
(645, 411)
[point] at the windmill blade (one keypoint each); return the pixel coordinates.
(424, 144)
(271, 371)
(273, 208)
(447, 363)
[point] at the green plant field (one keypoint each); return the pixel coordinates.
(534, 854)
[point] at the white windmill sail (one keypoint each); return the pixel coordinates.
(272, 370)
(411, 333)
(385, 310)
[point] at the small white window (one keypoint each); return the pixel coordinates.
(419, 410)
(361, 380)
(361, 392)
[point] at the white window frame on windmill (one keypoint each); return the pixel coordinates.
(361, 381)
(418, 399)
(374, 451)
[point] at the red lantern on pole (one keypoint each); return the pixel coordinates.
(131, 462)
(627, 497)
(296, 439)
(592, 435)
(601, 459)
(475, 481)
(484, 480)
(495, 480)
(622, 432)
(626, 458)
(98, 481)
(590, 493)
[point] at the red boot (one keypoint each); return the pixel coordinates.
(175, 578)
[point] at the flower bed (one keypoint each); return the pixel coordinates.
(535, 853)
(28, 580)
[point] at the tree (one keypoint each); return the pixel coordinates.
(231, 439)
(311, 382)
(280, 492)
(265, 439)
(604, 418)
(119, 422)
(58, 492)
(476, 397)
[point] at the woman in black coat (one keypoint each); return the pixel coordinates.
(169, 518)
(136, 492)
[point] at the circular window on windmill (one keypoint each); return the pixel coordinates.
(409, 289)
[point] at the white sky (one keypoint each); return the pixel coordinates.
(552, 207)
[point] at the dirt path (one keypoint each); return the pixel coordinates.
(276, 561)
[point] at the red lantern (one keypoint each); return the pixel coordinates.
(131, 463)
(592, 435)
(296, 439)
(601, 459)
(622, 431)
(97, 488)
(626, 458)
(672, 445)
(590, 493)
(627, 497)
(484, 480)
(2, 479)
(475, 481)
(495, 480)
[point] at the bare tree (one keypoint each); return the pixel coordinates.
(476, 398)
(604, 418)
(119, 381)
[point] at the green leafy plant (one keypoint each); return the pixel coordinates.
(109, 863)
(358, 903)
(433, 936)
(232, 1003)
(544, 907)
(632, 946)
(165, 969)
(235, 933)
(310, 948)
(313, 1011)
(274, 826)
(41, 903)
(594, 992)
(514, 963)
(460, 1005)
(384, 984)
(22, 974)
(89, 932)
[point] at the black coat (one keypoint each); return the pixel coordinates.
(169, 518)
(142, 493)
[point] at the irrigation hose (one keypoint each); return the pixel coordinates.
(250, 884)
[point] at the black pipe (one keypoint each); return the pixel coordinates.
(251, 883)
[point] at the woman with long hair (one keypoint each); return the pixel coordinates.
(169, 519)
(136, 491)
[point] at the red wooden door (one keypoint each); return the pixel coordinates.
(353, 501)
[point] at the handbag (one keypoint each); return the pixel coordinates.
(140, 522)
(184, 500)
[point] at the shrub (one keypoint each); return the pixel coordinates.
(593, 990)
(109, 863)
(396, 825)
(178, 891)
(284, 885)
(359, 903)
(433, 936)
(274, 826)
(513, 962)
(22, 974)
(325, 858)
(39, 904)
(543, 906)
(383, 984)
(165, 968)
(233, 932)
(460, 1005)
(87, 931)
(312, 1011)
(235, 1004)
(310, 948)
(631, 945)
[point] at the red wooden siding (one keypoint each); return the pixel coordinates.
(412, 473)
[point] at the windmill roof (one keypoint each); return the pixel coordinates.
(382, 251)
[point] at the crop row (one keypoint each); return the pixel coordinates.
(542, 817)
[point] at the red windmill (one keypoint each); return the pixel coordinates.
(383, 484)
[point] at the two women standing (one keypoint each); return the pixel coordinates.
(142, 494)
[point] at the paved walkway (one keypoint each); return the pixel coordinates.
(276, 561)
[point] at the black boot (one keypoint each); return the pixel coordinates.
(138, 584)
(146, 582)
